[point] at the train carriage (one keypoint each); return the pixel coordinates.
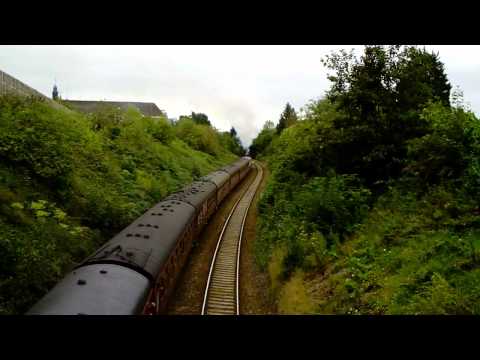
(202, 196)
(233, 171)
(135, 272)
(222, 180)
(145, 247)
(245, 166)
(96, 289)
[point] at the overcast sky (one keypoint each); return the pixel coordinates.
(240, 86)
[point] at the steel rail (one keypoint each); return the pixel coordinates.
(216, 251)
(222, 289)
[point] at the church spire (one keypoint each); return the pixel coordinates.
(55, 91)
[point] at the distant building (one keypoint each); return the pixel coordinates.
(146, 109)
(55, 93)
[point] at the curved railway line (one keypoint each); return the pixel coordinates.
(222, 290)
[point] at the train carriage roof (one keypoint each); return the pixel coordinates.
(97, 289)
(236, 166)
(232, 168)
(194, 194)
(147, 242)
(219, 177)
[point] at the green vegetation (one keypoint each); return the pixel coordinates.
(232, 142)
(262, 141)
(68, 182)
(287, 119)
(373, 206)
(196, 131)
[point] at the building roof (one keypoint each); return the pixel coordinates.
(147, 109)
(11, 85)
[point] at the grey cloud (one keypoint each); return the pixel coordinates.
(240, 86)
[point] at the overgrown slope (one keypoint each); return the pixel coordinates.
(373, 202)
(68, 182)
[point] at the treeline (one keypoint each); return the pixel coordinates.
(68, 182)
(197, 131)
(372, 206)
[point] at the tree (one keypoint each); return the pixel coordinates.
(235, 143)
(262, 141)
(287, 119)
(268, 125)
(421, 78)
(380, 97)
(200, 119)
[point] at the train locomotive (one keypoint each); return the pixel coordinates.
(135, 272)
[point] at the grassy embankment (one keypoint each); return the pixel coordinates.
(68, 182)
(374, 212)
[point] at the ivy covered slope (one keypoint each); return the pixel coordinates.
(68, 182)
(373, 203)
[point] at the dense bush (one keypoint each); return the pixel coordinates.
(413, 256)
(68, 182)
(31, 136)
(311, 219)
(199, 136)
(373, 206)
(448, 149)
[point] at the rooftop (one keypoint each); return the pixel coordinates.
(147, 109)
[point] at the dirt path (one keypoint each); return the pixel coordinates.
(254, 285)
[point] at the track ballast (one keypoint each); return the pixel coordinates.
(222, 289)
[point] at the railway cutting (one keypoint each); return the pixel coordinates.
(137, 270)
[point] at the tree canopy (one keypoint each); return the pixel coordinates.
(263, 139)
(379, 97)
(372, 201)
(200, 119)
(233, 142)
(287, 119)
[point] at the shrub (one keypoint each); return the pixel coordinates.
(68, 182)
(161, 130)
(309, 223)
(43, 142)
(199, 137)
(450, 147)
(334, 203)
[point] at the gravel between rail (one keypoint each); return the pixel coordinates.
(187, 298)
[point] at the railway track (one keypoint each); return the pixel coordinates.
(222, 290)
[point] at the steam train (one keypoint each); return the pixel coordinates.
(135, 272)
